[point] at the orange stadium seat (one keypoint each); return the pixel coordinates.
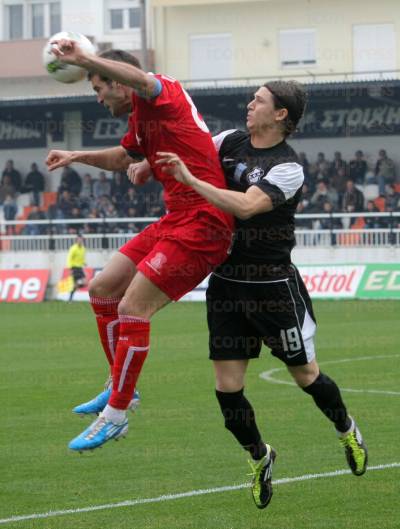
(49, 199)
(349, 239)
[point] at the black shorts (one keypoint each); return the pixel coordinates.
(243, 315)
(78, 274)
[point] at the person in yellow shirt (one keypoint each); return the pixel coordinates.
(76, 260)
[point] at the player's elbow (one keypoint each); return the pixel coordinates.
(244, 212)
(249, 208)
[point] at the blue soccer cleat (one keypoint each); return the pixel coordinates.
(94, 406)
(98, 433)
(97, 405)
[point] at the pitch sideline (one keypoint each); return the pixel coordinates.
(189, 494)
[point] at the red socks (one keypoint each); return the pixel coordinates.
(106, 311)
(131, 352)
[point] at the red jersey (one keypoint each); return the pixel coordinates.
(170, 123)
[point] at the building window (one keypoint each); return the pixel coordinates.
(15, 21)
(297, 48)
(211, 56)
(135, 17)
(374, 50)
(55, 17)
(37, 21)
(124, 15)
(116, 19)
(32, 20)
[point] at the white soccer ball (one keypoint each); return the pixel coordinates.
(60, 71)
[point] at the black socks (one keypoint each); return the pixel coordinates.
(327, 397)
(240, 420)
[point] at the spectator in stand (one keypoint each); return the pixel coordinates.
(303, 224)
(92, 227)
(70, 181)
(65, 203)
(385, 173)
(392, 198)
(321, 159)
(6, 188)
(313, 173)
(132, 202)
(358, 168)
(87, 187)
(323, 193)
(323, 166)
(332, 222)
(102, 204)
(10, 211)
(338, 181)
(35, 229)
(156, 208)
(150, 195)
(303, 161)
(119, 184)
(373, 222)
(76, 214)
(34, 183)
(338, 163)
(119, 189)
(111, 213)
(306, 195)
(86, 195)
(352, 197)
(132, 227)
(102, 186)
(329, 223)
(348, 222)
(9, 170)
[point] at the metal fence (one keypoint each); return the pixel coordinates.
(104, 240)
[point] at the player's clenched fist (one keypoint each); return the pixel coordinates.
(139, 173)
(57, 159)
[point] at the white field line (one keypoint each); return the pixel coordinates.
(268, 375)
(179, 495)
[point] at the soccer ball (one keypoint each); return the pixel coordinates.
(62, 72)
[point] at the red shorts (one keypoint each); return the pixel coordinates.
(177, 252)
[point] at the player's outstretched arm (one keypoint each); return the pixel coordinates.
(241, 205)
(113, 159)
(70, 52)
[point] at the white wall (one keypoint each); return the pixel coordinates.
(255, 28)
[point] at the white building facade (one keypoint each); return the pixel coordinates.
(200, 39)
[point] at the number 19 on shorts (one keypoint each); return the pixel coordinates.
(291, 340)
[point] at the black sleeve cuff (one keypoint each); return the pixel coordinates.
(135, 155)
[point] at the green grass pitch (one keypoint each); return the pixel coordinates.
(51, 361)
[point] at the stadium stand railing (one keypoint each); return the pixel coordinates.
(106, 240)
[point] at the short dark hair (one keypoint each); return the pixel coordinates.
(292, 96)
(116, 55)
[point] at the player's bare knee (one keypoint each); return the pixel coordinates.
(93, 288)
(304, 375)
(228, 383)
(130, 307)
